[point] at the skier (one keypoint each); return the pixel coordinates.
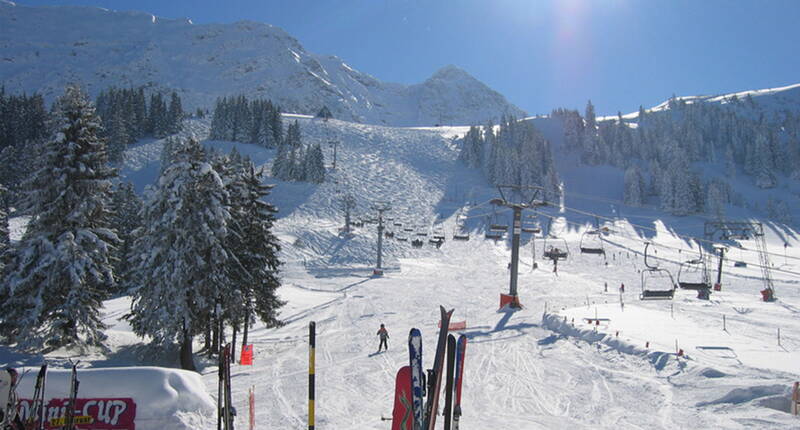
(8, 401)
(384, 336)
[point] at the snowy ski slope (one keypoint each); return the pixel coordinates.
(534, 368)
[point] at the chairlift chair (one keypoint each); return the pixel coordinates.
(494, 235)
(388, 233)
(498, 228)
(401, 239)
(657, 283)
(417, 243)
(556, 249)
(461, 237)
(592, 243)
(693, 274)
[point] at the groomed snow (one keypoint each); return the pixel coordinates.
(527, 369)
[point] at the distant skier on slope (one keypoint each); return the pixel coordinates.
(384, 337)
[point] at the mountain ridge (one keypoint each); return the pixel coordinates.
(100, 48)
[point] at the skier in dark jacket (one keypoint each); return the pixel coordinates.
(384, 337)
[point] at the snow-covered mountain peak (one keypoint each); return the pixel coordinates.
(453, 73)
(100, 48)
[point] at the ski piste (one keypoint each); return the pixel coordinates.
(448, 385)
(36, 416)
(461, 349)
(403, 412)
(417, 379)
(435, 378)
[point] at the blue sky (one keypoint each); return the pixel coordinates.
(540, 54)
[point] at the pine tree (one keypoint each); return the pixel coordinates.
(256, 249)
(126, 220)
(118, 137)
(634, 188)
(175, 114)
(472, 150)
(716, 200)
(60, 272)
(315, 164)
(183, 268)
(764, 165)
(325, 113)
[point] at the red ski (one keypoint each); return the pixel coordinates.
(403, 412)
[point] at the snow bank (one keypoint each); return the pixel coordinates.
(559, 324)
(164, 398)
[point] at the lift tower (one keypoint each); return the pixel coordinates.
(381, 208)
(517, 207)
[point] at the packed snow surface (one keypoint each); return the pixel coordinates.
(544, 366)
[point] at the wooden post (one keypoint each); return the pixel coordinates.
(724, 327)
(311, 356)
(252, 403)
(795, 399)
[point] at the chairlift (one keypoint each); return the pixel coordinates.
(531, 230)
(401, 239)
(461, 237)
(422, 233)
(408, 229)
(494, 235)
(498, 227)
(657, 283)
(592, 242)
(398, 224)
(417, 243)
(556, 249)
(693, 274)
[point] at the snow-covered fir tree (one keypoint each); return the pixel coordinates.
(184, 266)
(126, 220)
(60, 272)
(517, 154)
(255, 121)
(314, 170)
(634, 187)
(255, 247)
(472, 149)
